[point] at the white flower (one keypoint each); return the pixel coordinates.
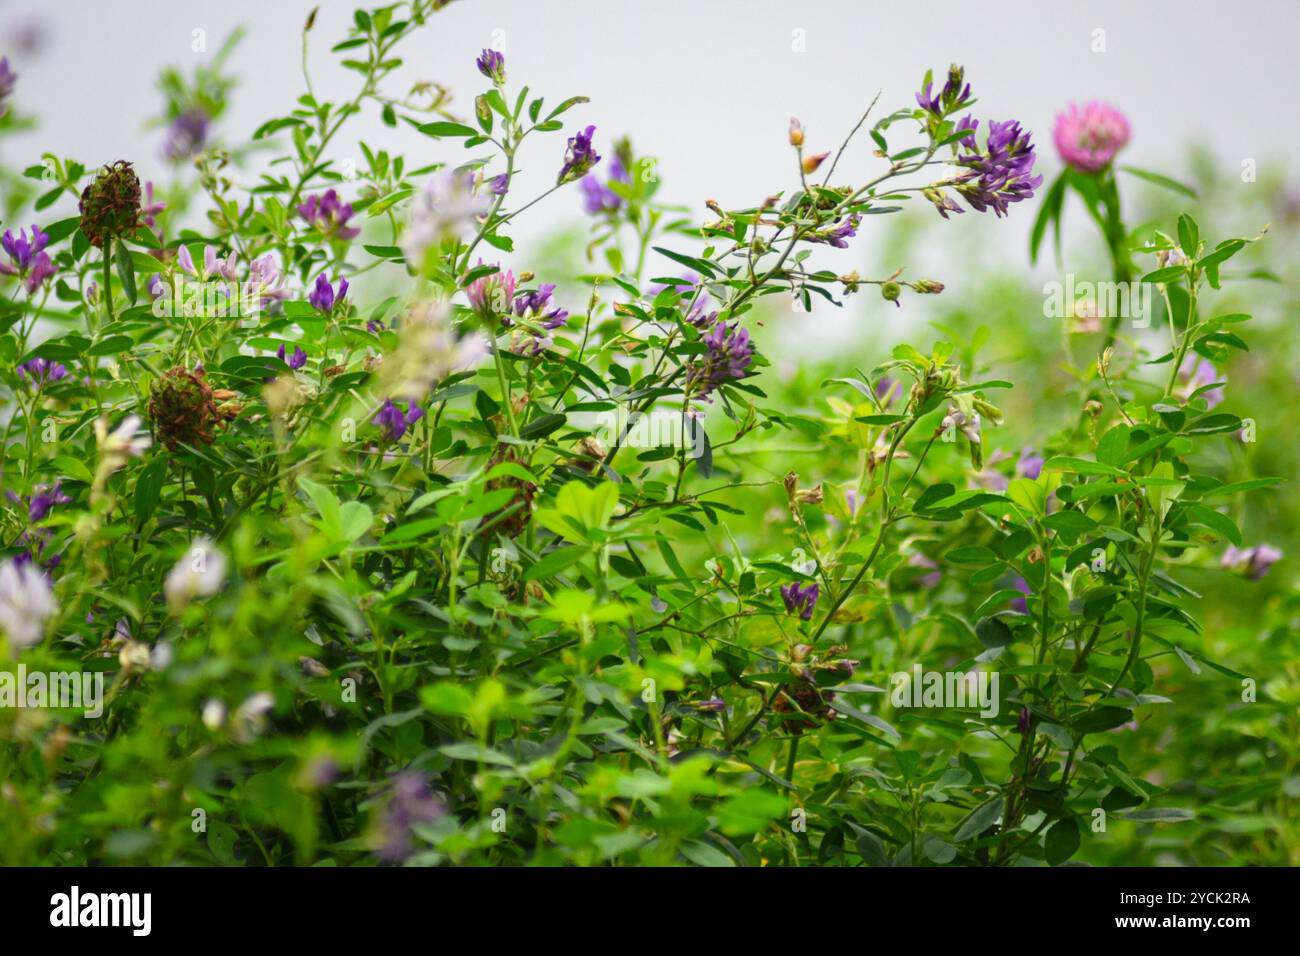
(446, 205)
(428, 351)
(119, 446)
(25, 602)
(214, 715)
(250, 716)
(198, 574)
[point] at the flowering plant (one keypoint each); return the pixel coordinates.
(513, 568)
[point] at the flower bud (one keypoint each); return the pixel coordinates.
(810, 163)
(796, 132)
(927, 287)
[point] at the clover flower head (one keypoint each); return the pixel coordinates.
(1089, 136)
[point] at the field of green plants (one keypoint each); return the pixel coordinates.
(566, 556)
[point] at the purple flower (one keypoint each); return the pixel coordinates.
(800, 600)
(579, 157)
(264, 276)
(1196, 373)
(499, 184)
(1089, 137)
(329, 215)
(323, 296)
(410, 801)
(40, 372)
(1252, 562)
(886, 389)
(1024, 721)
(7, 78)
(27, 258)
(150, 210)
(954, 95)
(923, 562)
(840, 235)
(187, 135)
(295, 361)
(45, 497)
(728, 356)
(597, 197)
(714, 705)
(1029, 465)
(394, 423)
(1003, 173)
(536, 305)
(1020, 605)
(492, 64)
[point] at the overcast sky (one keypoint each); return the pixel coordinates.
(707, 86)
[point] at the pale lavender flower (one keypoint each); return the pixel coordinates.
(1252, 562)
(26, 603)
(1196, 373)
(410, 801)
(187, 135)
(444, 207)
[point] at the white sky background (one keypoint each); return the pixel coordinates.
(707, 86)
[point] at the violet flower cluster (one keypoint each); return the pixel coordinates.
(800, 600)
(329, 215)
(579, 156)
(394, 422)
(727, 358)
(27, 257)
(39, 372)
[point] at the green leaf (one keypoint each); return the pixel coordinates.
(1062, 841)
